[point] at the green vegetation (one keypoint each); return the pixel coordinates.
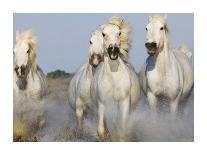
(58, 74)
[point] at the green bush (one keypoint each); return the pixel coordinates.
(58, 74)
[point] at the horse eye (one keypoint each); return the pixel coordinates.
(161, 28)
(103, 34)
(119, 33)
(146, 29)
(90, 42)
(28, 51)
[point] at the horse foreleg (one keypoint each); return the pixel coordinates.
(79, 113)
(101, 129)
(125, 111)
(152, 102)
(125, 105)
(173, 109)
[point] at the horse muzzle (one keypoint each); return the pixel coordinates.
(151, 48)
(20, 71)
(95, 60)
(113, 52)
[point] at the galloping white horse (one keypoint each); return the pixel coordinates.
(28, 77)
(29, 84)
(167, 72)
(114, 80)
(79, 88)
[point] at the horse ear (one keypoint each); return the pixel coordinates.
(17, 35)
(150, 18)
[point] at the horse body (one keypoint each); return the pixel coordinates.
(28, 78)
(115, 82)
(29, 85)
(79, 88)
(111, 86)
(167, 72)
(79, 91)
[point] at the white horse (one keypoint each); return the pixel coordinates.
(29, 85)
(167, 72)
(28, 77)
(115, 81)
(79, 88)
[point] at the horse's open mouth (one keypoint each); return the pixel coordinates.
(152, 51)
(113, 53)
(95, 60)
(151, 47)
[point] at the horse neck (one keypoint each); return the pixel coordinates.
(163, 59)
(89, 70)
(109, 64)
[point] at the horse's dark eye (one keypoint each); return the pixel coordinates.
(103, 34)
(119, 33)
(90, 42)
(28, 51)
(161, 28)
(146, 29)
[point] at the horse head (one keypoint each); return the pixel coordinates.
(25, 53)
(157, 31)
(96, 48)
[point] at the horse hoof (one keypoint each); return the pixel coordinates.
(101, 136)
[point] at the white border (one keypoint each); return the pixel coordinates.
(7, 8)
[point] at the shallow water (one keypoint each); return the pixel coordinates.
(142, 125)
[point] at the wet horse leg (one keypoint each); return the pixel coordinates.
(152, 102)
(125, 105)
(79, 113)
(101, 129)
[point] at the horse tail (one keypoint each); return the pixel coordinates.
(186, 50)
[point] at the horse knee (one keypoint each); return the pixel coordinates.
(79, 115)
(174, 108)
(152, 100)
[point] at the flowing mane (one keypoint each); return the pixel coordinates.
(126, 29)
(28, 37)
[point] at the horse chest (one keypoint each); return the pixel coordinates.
(166, 85)
(115, 85)
(33, 87)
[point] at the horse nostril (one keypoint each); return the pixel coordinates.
(110, 49)
(16, 68)
(147, 45)
(22, 67)
(116, 49)
(153, 44)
